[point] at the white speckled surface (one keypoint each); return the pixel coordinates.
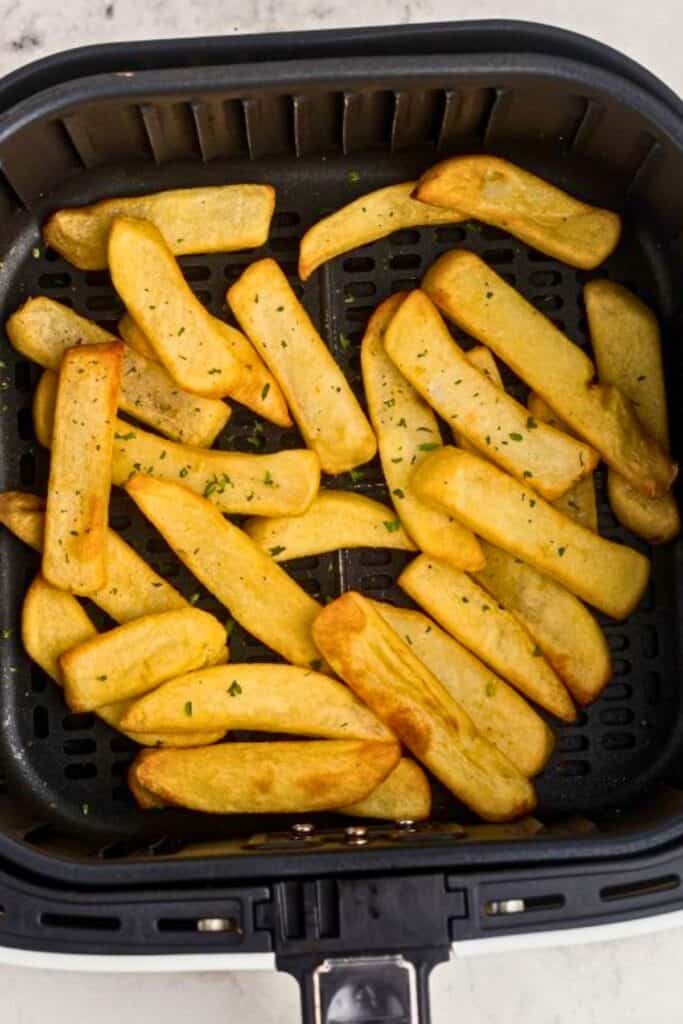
(634, 981)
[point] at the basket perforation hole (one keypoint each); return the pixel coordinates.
(407, 236)
(496, 257)
(649, 642)
(25, 425)
(617, 691)
(196, 273)
(51, 255)
(377, 581)
(404, 284)
(81, 770)
(620, 667)
(52, 282)
(545, 278)
(110, 303)
(573, 769)
(618, 741)
(41, 722)
(405, 261)
(120, 522)
(98, 279)
(120, 744)
(617, 642)
(79, 747)
(358, 314)
(571, 744)
(450, 235)
(360, 289)
(358, 265)
(81, 922)
(82, 720)
(23, 376)
(39, 678)
(616, 716)
(372, 557)
(119, 769)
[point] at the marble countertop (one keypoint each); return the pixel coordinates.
(631, 981)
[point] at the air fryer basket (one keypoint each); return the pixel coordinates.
(349, 113)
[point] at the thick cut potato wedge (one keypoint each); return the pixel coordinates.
(255, 387)
(267, 778)
(506, 196)
(610, 576)
(367, 219)
(491, 632)
(333, 520)
(421, 346)
(497, 710)
(579, 502)
(405, 795)
(561, 625)
(480, 302)
(628, 353)
(382, 670)
(319, 396)
(257, 592)
(52, 622)
(406, 431)
(132, 588)
(267, 698)
(44, 330)
(183, 334)
(192, 220)
(485, 362)
(136, 657)
(77, 510)
(238, 483)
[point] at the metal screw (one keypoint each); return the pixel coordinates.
(302, 829)
(505, 907)
(408, 824)
(217, 924)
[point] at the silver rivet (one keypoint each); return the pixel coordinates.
(356, 830)
(303, 828)
(216, 924)
(407, 823)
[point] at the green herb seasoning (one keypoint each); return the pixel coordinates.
(234, 689)
(188, 708)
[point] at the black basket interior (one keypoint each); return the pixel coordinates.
(66, 772)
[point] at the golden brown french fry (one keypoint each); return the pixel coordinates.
(500, 193)
(266, 698)
(579, 502)
(184, 335)
(610, 576)
(260, 778)
(52, 622)
(472, 295)
(566, 632)
(404, 795)
(628, 353)
(421, 346)
(134, 658)
(44, 330)
(500, 714)
(406, 431)
(561, 625)
(132, 588)
(238, 483)
(258, 593)
(144, 798)
(333, 520)
(192, 220)
(319, 396)
(77, 510)
(381, 669)
(255, 387)
(368, 218)
(491, 632)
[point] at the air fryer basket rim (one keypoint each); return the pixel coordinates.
(636, 88)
